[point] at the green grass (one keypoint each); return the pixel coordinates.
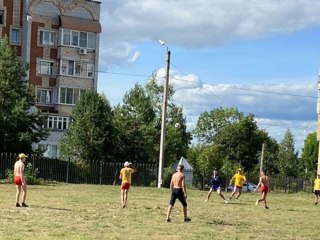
(93, 212)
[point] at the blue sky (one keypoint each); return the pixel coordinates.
(259, 56)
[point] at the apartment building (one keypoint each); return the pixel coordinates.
(59, 39)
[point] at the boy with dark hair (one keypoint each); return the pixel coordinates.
(178, 191)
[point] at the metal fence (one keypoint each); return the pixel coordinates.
(98, 172)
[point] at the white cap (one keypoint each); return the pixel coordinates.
(126, 164)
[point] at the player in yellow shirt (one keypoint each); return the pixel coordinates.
(239, 179)
(317, 189)
(125, 176)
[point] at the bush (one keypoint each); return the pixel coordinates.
(167, 174)
(30, 175)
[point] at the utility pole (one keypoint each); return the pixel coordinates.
(164, 117)
(318, 126)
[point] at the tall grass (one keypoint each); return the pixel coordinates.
(94, 212)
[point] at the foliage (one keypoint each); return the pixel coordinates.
(237, 134)
(91, 133)
(309, 156)
(287, 158)
(137, 128)
(167, 175)
(177, 139)
(20, 123)
(30, 174)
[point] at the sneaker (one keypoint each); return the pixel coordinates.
(266, 207)
(18, 205)
(168, 220)
(315, 203)
(187, 219)
(206, 200)
(24, 205)
(225, 201)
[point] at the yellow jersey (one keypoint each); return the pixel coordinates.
(317, 184)
(126, 174)
(239, 179)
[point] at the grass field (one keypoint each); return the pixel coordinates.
(93, 212)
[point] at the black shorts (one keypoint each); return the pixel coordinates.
(177, 193)
(317, 192)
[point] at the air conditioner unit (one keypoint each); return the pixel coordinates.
(83, 51)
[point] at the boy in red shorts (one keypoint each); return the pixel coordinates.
(264, 184)
(125, 176)
(238, 179)
(19, 180)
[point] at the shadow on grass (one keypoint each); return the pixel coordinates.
(52, 208)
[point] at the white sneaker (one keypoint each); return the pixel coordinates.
(225, 201)
(206, 200)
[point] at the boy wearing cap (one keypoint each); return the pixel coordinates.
(317, 189)
(239, 179)
(125, 176)
(19, 180)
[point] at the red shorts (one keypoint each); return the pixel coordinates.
(125, 186)
(18, 180)
(264, 189)
(238, 187)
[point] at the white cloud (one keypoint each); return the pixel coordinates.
(201, 23)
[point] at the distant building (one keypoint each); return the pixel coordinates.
(59, 39)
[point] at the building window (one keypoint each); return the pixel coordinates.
(1, 16)
(70, 95)
(75, 38)
(57, 123)
(46, 67)
(47, 37)
(76, 68)
(44, 96)
(66, 37)
(78, 39)
(15, 35)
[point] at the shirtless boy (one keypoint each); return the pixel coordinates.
(178, 190)
(19, 180)
(264, 184)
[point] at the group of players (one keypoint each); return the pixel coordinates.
(177, 186)
(239, 179)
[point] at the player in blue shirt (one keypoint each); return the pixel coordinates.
(216, 183)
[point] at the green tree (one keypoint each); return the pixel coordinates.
(20, 122)
(90, 135)
(237, 133)
(309, 156)
(177, 136)
(137, 127)
(287, 157)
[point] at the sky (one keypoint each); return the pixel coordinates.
(260, 56)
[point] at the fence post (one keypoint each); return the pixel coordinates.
(100, 172)
(67, 177)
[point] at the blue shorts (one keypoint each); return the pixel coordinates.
(215, 188)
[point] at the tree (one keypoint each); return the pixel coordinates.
(137, 127)
(20, 122)
(287, 158)
(309, 155)
(90, 135)
(237, 133)
(177, 137)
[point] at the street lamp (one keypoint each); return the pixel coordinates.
(164, 116)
